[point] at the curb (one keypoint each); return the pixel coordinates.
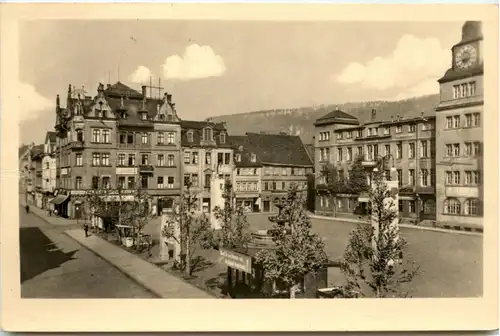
(102, 257)
(445, 229)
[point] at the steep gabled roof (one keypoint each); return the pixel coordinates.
(120, 89)
(241, 142)
(197, 128)
(336, 116)
(280, 149)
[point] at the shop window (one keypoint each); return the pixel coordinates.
(430, 207)
(452, 206)
(472, 207)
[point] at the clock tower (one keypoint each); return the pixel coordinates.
(459, 134)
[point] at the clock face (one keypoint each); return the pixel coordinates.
(465, 56)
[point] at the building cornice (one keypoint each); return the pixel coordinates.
(460, 105)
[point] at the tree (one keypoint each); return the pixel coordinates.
(373, 260)
(334, 183)
(297, 250)
(233, 221)
(357, 177)
(194, 226)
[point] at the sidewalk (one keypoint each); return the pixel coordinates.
(451, 229)
(54, 220)
(146, 274)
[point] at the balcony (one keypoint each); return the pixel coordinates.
(76, 144)
(146, 169)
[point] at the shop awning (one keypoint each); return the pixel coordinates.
(364, 198)
(59, 199)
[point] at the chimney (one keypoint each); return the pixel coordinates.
(108, 86)
(169, 98)
(57, 101)
(374, 114)
(143, 91)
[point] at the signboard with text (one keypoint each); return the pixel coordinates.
(236, 260)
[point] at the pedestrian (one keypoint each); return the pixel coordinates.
(86, 229)
(55, 212)
(27, 208)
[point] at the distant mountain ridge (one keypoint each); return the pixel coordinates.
(299, 121)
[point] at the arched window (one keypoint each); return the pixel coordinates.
(452, 206)
(430, 207)
(472, 207)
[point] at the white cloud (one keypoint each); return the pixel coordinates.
(140, 75)
(32, 103)
(197, 62)
(411, 68)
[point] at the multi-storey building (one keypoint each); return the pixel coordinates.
(36, 166)
(247, 184)
(49, 168)
(284, 161)
(459, 121)
(25, 180)
(206, 152)
(404, 143)
(119, 138)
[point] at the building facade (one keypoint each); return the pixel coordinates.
(49, 169)
(121, 138)
(404, 143)
(37, 155)
(206, 154)
(25, 178)
(459, 123)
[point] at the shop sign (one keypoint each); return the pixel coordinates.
(236, 260)
(78, 192)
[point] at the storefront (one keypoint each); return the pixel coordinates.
(249, 203)
(60, 203)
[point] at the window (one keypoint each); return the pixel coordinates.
(433, 177)
(369, 132)
(194, 180)
(283, 185)
(144, 116)
(449, 122)
(171, 160)
(106, 182)
(471, 207)
(477, 119)
(468, 120)
(105, 159)
(399, 129)
(468, 149)
(387, 149)
(426, 126)
(464, 90)
(160, 182)
(476, 177)
(359, 151)
(349, 154)
(411, 206)
(79, 159)
(456, 121)
(171, 138)
(411, 150)
(194, 157)
(187, 157)
(399, 150)
(95, 182)
(227, 158)
(170, 182)
(274, 186)
(220, 158)
(161, 160)
(96, 159)
(339, 154)
(130, 138)
(477, 148)
(105, 136)
(348, 135)
(324, 136)
(79, 135)
(449, 177)
(452, 206)
(144, 159)
(423, 148)
(411, 128)
(411, 176)
(400, 177)
(78, 182)
(370, 152)
(424, 177)
(429, 207)
(131, 159)
(456, 150)
(121, 182)
(190, 136)
(472, 177)
(160, 138)
(449, 150)
(207, 134)
(456, 177)
(253, 157)
(208, 158)
(339, 136)
(359, 134)
(96, 135)
(400, 206)
(144, 138)
(144, 181)
(387, 130)
(131, 182)
(222, 138)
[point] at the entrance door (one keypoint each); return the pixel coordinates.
(78, 211)
(267, 206)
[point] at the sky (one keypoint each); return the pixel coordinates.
(225, 67)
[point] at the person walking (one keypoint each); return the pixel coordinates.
(86, 229)
(27, 207)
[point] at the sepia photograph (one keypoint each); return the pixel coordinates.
(253, 159)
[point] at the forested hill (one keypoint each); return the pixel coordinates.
(300, 120)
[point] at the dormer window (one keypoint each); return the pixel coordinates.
(144, 116)
(223, 138)
(253, 157)
(104, 114)
(123, 114)
(240, 148)
(207, 134)
(190, 136)
(161, 117)
(238, 157)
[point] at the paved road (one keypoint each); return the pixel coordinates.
(451, 264)
(54, 266)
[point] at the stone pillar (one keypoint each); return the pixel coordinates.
(168, 219)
